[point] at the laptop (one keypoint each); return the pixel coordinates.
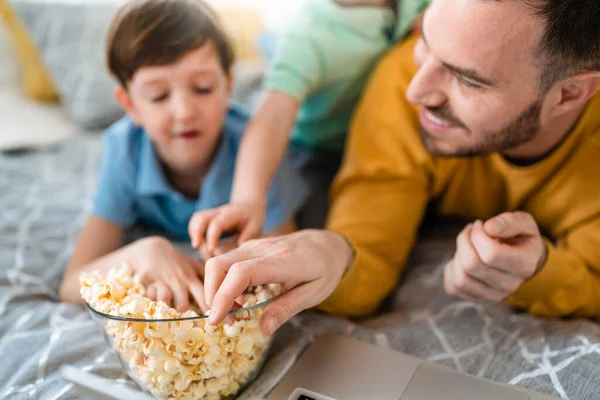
(335, 367)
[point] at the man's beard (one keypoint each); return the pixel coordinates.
(519, 131)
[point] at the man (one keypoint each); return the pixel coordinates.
(497, 121)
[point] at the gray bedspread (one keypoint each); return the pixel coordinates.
(44, 198)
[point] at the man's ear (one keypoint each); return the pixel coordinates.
(574, 92)
(124, 99)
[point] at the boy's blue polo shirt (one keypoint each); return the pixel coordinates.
(132, 186)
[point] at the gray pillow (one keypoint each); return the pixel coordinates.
(70, 35)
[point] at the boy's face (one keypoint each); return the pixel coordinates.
(181, 106)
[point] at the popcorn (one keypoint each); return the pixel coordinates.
(186, 359)
(234, 329)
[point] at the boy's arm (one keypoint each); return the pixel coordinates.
(97, 238)
(313, 52)
(262, 148)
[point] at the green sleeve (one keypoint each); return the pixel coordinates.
(326, 44)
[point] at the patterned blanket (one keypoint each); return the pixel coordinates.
(44, 198)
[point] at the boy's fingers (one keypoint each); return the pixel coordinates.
(163, 293)
(197, 291)
(181, 298)
(224, 222)
(204, 253)
(214, 232)
(151, 292)
(250, 231)
(197, 227)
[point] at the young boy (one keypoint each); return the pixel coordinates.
(174, 153)
(319, 69)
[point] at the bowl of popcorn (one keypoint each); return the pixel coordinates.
(174, 355)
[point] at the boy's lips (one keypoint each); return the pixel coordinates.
(191, 134)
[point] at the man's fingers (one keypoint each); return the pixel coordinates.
(215, 270)
(503, 260)
(286, 306)
(470, 288)
(241, 275)
(198, 225)
(466, 258)
(511, 224)
(449, 285)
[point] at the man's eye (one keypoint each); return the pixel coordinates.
(468, 83)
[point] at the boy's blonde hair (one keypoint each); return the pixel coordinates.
(160, 32)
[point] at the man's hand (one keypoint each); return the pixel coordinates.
(308, 264)
(245, 218)
(169, 275)
(493, 259)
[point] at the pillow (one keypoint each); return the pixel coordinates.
(29, 124)
(36, 81)
(70, 35)
(9, 67)
(25, 123)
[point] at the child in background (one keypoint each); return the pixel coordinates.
(319, 69)
(174, 153)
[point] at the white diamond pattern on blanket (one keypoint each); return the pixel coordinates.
(44, 198)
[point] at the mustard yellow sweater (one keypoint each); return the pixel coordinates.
(388, 179)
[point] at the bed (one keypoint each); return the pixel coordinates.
(44, 198)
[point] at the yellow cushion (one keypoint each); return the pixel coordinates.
(244, 24)
(36, 80)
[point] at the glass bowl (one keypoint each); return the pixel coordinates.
(186, 358)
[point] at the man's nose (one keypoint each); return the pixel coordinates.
(427, 86)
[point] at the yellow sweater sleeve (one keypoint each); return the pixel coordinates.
(569, 282)
(381, 192)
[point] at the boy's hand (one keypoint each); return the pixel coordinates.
(168, 274)
(493, 259)
(245, 218)
(225, 246)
